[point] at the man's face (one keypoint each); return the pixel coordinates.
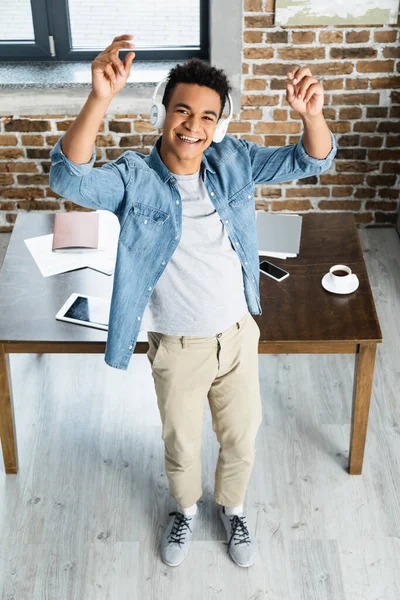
(192, 112)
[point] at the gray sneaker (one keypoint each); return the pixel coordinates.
(241, 547)
(176, 538)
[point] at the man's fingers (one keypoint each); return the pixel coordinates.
(128, 62)
(300, 73)
(315, 88)
(302, 87)
(290, 95)
(118, 65)
(110, 73)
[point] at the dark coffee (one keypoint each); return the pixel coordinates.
(340, 273)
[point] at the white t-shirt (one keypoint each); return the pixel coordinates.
(201, 290)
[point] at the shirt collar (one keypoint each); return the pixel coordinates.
(165, 174)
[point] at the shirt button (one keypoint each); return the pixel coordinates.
(138, 318)
(176, 237)
(253, 279)
(249, 196)
(145, 222)
(150, 288)
(237, 243)
(226, 221)
(163, 262)
(212, 194)
(177, 201)
(245, 262)
(130, 347)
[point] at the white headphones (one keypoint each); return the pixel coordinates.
(157, 116)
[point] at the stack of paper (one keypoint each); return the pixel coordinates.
(103, 259)
(278, 235)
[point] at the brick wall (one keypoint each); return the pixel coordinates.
(361, 74)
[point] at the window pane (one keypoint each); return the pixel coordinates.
(16, 20)
(154, 23)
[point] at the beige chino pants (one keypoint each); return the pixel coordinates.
(223, 368)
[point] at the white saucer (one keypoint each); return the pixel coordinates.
(326, 283)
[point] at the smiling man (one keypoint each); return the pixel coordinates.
(187, 270)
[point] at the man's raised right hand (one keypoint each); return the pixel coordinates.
(109, 72)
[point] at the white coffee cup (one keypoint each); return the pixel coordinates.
(341, 277)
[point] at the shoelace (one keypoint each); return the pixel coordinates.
(239, 530)
(178, 529)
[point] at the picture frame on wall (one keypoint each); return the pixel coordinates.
(292, 13)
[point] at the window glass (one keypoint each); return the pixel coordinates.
(16, 20)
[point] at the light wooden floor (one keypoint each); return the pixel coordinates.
(83, 518)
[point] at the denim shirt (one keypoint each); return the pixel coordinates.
(141, 191)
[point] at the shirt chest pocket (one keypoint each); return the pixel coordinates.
(244, 197)
(142, 226)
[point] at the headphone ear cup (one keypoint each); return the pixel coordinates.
(220, 130)
(157, 115)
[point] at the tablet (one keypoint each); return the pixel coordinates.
(90, 311)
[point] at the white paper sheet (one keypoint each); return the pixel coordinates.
(102, 259)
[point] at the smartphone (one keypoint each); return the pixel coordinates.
(273, 271)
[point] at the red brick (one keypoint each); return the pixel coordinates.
(339, 205)
(384, 180)
(395, 112)
(38, 205)
(314, 192)
(365, 126)
(342, 191)
(393, 52)
(356, 84)
(259, 100)
(365, 192)
(252, 114)
(389, 127)
(385, 154)
(363, 218)
(303, 37)
(274, 140)
(300, 54)
(127, 141)
(255, 84)
(383, 83)
(11, 153)
(280, 114)
(392, 141)
(376, 112)
(363, 99)
(356, 166)
(252, 37)
(257, 53)
(32, 140)
(33, 179)
(38, 152)
(368, 141)
(291, 205)
(380, 205)
(142, 126)
(381, 217)
(339, 127)
(357, 37)
(269, 192)
(391, 167)
(277, 37)
(344, 53)
(271, 69)
(105, 140)
(277, 127)
(6, 179)
(120, 126)
(16, 193)
(388, 193)
(349, 140)
(333, 68)
(26, 125)
(256, 139)
(252, 5)
(8, 140)
(239, 127)
(377, 66)
(341, 179)
(259, 22)
(385, 37)
(331, 37)
(18, 167)
(333, 84)
(350, 113)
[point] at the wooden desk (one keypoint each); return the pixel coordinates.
(299, 316)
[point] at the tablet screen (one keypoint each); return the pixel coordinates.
(89, 310)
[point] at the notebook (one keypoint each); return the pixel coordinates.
(74, 231)
(278, 235)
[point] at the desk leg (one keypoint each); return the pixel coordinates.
(363, 376)
(7, 424)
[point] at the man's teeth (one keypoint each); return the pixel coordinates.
(187, 139)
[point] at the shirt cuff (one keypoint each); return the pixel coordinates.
(58, 156)
(311, 160)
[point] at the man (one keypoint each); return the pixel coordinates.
(187, 268)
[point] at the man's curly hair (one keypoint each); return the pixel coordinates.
(197, 71)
